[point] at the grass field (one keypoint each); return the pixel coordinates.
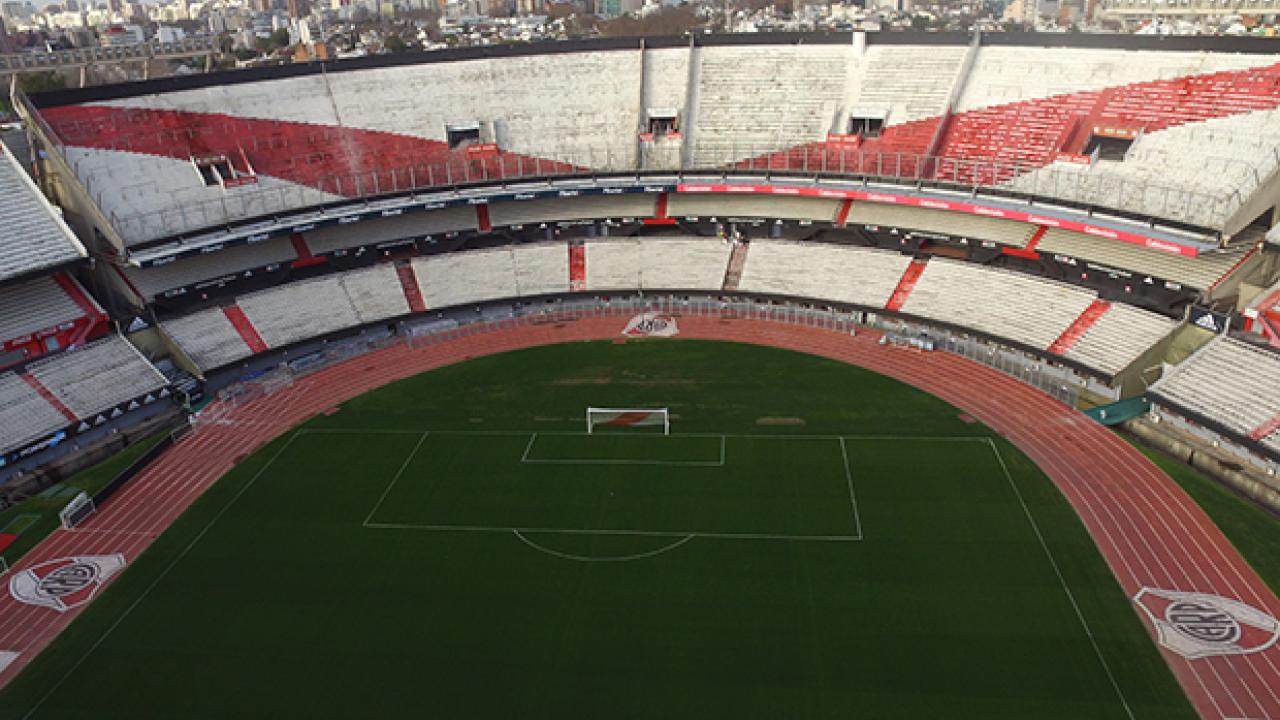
(815, 541)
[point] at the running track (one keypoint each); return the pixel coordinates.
(1150, 532)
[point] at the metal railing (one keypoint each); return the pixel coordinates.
(27, 62)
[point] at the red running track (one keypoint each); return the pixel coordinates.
(1150, 532)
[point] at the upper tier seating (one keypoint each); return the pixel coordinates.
(34, 305)
(1025, 309)
(1198, 272)
(657, 263)
(389, 229)
(208, 338)
(727, 206)
(753, 100)
(845, 274)
(973, 227)
(153, 281)
(1115, 340)
(1229, 381)
(99, 376)
(24, 415)
(527, 212)
(911, 82)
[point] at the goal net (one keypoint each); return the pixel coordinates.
(628, 417)
(80, 507)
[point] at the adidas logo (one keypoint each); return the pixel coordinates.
(1207, 322)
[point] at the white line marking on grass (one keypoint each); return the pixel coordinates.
(609, 461)
(163, 573)
(638, 533)
(1057, 571)
(848, 476)
(395, 478)
(761, 436)
(614, 558)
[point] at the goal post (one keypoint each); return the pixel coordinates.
(628, 417)
(80, 507)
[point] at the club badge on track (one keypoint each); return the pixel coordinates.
(651, 325)
(64, 583)
(1198, 625)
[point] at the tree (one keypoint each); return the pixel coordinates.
(280, 38)
(394, 44)
(42, 82)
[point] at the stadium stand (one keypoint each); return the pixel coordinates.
(906, 96)
(657, 263)
(153, 281)
(98, 377)
(33, 305)
(541, 269)
(208, 338)
(1119, 337)
(1024, 309)
(724, 206)
(339, 237)
(299, 311)
(853, 275)
(1228, 381)
(974, 227)
(1198, 272)
(24, 415)
(748, 104)
(47, 242)
(462, 278)
(527, 212)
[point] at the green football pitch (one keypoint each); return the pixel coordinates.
(811, 541)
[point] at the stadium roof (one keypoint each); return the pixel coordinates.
(33, 235)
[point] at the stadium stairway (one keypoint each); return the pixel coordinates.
(305, 257)
(246, 329)
(737, 261)
(577, 267)
(1077, 329)
(906, 284)
(409, 283)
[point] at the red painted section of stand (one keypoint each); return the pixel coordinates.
(906, 284)
(409, 283)
(49, 397)
(577, 267)
(482, 218)
(305, 258)
(247, 331)
(1077, 329)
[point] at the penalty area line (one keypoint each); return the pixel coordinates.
(396, 478)
(1035, 527)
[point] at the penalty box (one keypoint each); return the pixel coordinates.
(747, 486)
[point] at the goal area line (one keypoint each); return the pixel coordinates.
(620, 461)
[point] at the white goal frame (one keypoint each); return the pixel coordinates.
(663, 412)
(68, 515)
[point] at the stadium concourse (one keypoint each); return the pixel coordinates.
(1156, 540)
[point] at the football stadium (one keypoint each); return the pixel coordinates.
(776, 375)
